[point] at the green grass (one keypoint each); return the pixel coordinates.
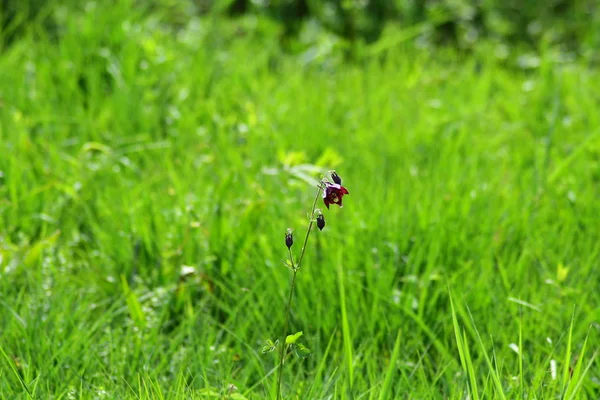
(130, 148)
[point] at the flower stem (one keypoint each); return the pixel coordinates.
(310, 224)
(285, 333)
(295, 268)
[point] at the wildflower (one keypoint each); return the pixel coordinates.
(320, 221)
(289, 238)
(333, 193)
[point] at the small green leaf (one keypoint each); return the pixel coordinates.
(301, 350)
(291, 339)
(561, 272)
(270, 346)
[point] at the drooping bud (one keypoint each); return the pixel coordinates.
(320, 221)
(289, 238)
(336, 178)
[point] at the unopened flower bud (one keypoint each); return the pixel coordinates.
(320, 221)
(336, 178)
(289, 238)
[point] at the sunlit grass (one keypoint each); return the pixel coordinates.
(148, 175)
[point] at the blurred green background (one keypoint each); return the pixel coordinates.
(571, 24)
(153, 154)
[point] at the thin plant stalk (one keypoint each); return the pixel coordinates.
(295, 268)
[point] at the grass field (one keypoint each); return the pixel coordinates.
(148, 174)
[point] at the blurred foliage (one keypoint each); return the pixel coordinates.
(461, 22)
(571, 24)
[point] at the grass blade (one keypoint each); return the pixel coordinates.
(345, 327)
(387, 383)
(464, 354)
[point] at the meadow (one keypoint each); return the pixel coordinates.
(149, 171)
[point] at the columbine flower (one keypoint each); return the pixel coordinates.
(333, 193)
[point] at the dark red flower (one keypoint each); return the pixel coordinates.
(333, 194)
